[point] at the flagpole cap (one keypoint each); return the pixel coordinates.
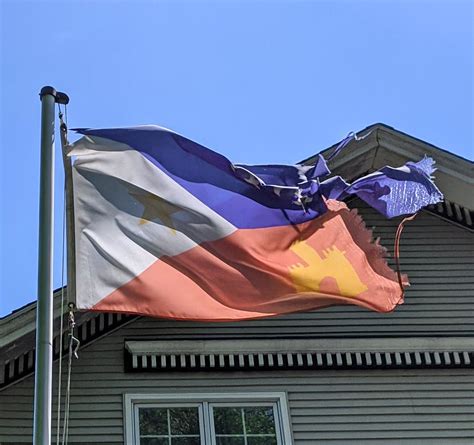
(59, 98)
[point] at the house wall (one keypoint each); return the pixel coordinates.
(331, 407)
(335, 407)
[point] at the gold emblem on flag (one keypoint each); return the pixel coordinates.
(156, 208)
(332, 264)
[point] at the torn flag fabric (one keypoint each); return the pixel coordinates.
(167, 228)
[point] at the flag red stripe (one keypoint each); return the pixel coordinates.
(251, 273)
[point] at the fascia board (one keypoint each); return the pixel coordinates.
(23, 322)
(150, 347)
(414, 149)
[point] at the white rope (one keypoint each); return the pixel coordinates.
(73, 347)
(61, 327)
(73, 341)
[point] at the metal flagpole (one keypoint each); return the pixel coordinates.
(44, 310)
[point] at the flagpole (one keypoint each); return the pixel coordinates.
(44, 309)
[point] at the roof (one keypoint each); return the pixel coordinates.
(383, 146)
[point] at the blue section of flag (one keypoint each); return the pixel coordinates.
(398, 191)
(273, 195)
(212, 178)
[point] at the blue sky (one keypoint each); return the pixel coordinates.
(259, 81)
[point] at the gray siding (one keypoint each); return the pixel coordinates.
(334, 407)
(415, 406)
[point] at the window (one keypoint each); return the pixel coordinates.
(207, 419)
(164, 426)
(244, 425)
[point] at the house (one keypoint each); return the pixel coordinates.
(334, 376)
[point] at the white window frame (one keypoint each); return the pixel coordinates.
(137, 406)
(132, 402)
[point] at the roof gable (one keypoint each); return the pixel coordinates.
(386, 146)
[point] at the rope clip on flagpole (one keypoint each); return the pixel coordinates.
(74, 342)
(44, 308)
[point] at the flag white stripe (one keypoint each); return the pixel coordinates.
(113, 243)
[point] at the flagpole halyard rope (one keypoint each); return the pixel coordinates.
(61, 327)
(74, 344)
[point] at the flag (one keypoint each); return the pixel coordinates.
(165, 227)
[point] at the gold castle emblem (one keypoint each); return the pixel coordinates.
(332, 264)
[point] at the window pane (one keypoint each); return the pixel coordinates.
(153, 441)
(153, 421)
(261, 440)
(230, 441)
(186, 441)
(259, 420)
(228, 421)
(184, 421)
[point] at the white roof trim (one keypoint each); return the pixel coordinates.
(215, 355)
(237, 346)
